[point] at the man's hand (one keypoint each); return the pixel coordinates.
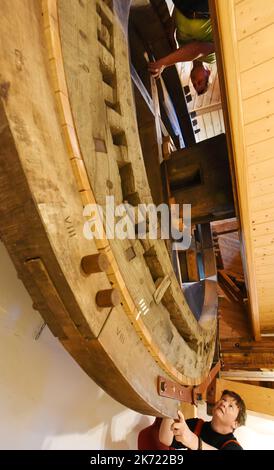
(186, 53)
(183, 434)
(156, 68)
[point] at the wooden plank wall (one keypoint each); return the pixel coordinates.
(258, 399)
(246, 29)
(211, 123)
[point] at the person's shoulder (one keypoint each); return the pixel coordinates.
(231, 443)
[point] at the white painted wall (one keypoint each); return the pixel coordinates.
(48, 402)
(258, 433)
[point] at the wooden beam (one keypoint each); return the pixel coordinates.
(219, 259)
(248, 360)
(168, 147)
(224, 227)
(176, 266)
(235, 275)
(207, 109)
(223, 24)
(240, 345)
(207, 249)
(162, 285)
(188, 410)
(256, 375)
(258, 399)
(155, 99)
(229, 286)
(192, 265)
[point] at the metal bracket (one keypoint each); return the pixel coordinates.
(188, 394)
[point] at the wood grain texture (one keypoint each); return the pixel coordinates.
(245, 31)
(62, 152)
(258, 399)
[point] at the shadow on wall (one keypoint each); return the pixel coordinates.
(119, 425)
(112, 426)
(46, 400)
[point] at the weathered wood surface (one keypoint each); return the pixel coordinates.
(67, 128)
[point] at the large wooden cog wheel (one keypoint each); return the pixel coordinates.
(68, 138)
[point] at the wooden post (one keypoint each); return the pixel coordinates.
(107, 298)
(96, 263)
(211, 397)
(188, 410)
(162, 285)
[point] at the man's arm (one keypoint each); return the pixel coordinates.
(165, 433)
(189, 52)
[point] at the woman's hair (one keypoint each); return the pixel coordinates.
(241, 418)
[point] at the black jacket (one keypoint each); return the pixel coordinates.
(211, 437)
